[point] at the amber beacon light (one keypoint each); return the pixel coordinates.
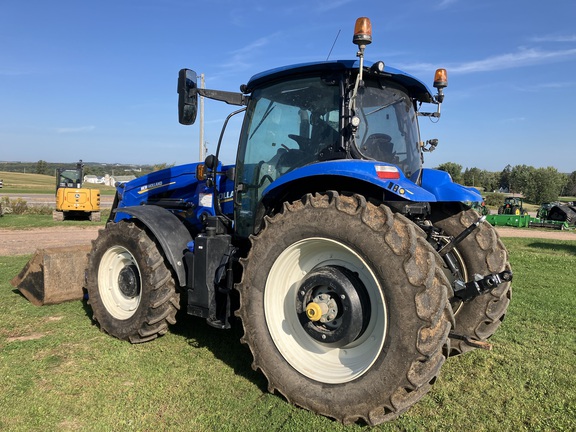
(441, 78)
(440, 82)
(362, 31)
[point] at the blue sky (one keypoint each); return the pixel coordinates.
(97, 80)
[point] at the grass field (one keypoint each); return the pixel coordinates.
(59, 372)
(12, 221)
(17, 183)
(27, 181)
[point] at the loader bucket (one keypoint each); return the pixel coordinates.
(54, 275)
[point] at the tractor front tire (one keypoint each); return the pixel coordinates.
(130, 289)
(482, 253)
(345, 308)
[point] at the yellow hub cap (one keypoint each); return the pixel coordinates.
(314, 311)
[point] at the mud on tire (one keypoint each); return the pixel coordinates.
(398, 300)
(130, 289)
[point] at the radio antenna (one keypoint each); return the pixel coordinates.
(333, 44)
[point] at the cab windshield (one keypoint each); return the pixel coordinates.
(69, 178)
(388, 130)
(287, 125)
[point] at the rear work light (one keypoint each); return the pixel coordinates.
(387, 172)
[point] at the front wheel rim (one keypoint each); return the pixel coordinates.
(313, 359)
(118, 299)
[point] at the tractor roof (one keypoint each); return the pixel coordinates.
(416, 88)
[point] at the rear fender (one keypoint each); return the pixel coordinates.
(363, 170)
(168, 230)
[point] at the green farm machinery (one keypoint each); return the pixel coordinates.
(512, 206)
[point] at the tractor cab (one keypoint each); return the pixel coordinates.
(513, 206)
(298, 121)
(310, 114)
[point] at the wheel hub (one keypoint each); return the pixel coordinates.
(315, 311)
(333, 306)
(129, 281)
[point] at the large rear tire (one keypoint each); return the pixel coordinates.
(345, 308)
(130, 289)
(482, 252)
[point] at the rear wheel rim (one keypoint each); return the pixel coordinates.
(311, 358)
(120, 301)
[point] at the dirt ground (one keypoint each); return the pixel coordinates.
(23, 242)
(536, 233)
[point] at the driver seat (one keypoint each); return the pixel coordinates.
(379, 146)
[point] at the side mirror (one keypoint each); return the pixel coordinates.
(187, 96)
(211, 162)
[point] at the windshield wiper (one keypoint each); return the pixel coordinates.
(266, 114)
(384, 106)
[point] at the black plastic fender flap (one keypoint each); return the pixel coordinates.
(168, 230)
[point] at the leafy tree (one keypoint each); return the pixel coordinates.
(545, 185)
(490, 181)
(41, 167)
(472, 177)
(521, 179)
(480, 178)
(495, 199)
(454, 169)
(570, 187)
(505, 177)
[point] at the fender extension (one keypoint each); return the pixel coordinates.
(168, 230)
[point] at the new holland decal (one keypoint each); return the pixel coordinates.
(152, 186)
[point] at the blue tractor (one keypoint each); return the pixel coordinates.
(355, 272)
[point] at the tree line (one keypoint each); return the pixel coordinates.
(537, 185)
(90, 168)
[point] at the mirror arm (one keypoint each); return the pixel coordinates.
(230, 98)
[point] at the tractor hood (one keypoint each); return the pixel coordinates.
(440, 184)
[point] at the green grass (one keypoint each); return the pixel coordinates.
(27, 182)
(12, 221)
(59, 372)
